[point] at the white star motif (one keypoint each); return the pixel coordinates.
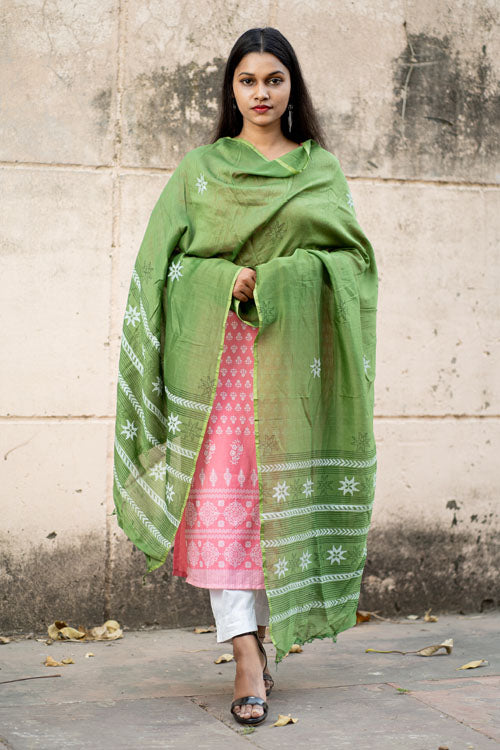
(169, 492)
(348, 486)
(157, 386)
(281, 567)
(366, 364)
(308, 488)
(173, 423)
(336, 554)
(281, 491)
(305, 560)
(316, 367)
(201, 183)
(158, 470)
(132, 315)
(175, 270)
(129, 429)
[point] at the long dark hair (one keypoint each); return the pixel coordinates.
(304, 119)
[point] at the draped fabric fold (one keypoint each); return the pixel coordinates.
(292, 219)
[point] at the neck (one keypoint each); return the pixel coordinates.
(265, 138)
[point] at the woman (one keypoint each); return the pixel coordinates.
(244, 427)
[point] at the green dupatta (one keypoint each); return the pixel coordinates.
(292, 219)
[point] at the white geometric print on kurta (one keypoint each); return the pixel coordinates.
(222, 511)
(281, 567)
(349, 199)
(366, 364)
(316, 367)
(129, 429)
(132, 315)
(173, 423)
(201, 183)
(305, 560)
(174, 271)
(348, 486)
(281, 491)
(308, 488)
(336, 554)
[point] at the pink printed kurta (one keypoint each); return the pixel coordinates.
(217, 544)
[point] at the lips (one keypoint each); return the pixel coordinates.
(261, 109)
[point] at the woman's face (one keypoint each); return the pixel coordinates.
(261, 78)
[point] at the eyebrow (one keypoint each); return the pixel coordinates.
(252, 74)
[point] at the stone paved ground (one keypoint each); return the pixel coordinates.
(162, 689)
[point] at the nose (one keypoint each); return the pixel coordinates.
(262, 91)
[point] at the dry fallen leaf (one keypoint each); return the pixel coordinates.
(70, 633)
(426, 651)
(474, 664)
(89, 654)
(283, 720)
(430, 618)
(430, 650)
(362, 616)
(210, 629)
(296, 649)
(50, 662)
(412, 617)
(4, 639)
(223, 657)
(60, 630)
(67, 660)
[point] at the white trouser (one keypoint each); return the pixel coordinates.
(238, 611)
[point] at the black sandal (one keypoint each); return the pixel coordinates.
(265, 675)
(252, 699)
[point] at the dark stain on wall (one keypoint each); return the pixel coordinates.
(101, 103)
(52, 581)
(409, 570)
(179, 106)
(66, 581)
(163, 600)
(446, 104)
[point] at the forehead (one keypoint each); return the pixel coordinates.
(260, 63)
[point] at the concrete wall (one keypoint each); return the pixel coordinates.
(409, 95)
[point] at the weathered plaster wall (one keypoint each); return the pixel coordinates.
(99, 101)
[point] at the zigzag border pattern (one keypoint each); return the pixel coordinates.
(149, 333)
(140, 411)
(141, 516)
(273, 515)
(186, 402)
(314, 533)
(344, 462)
(136, 278)
(144, 485)
(311, 605)
(154, 409)
(314, 579)
(132, 355)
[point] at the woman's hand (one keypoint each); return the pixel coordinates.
(244, 284)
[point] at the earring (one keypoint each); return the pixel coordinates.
(290, 107)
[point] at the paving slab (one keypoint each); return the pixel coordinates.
(163, 686)
(156, 723)
(362, 717)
